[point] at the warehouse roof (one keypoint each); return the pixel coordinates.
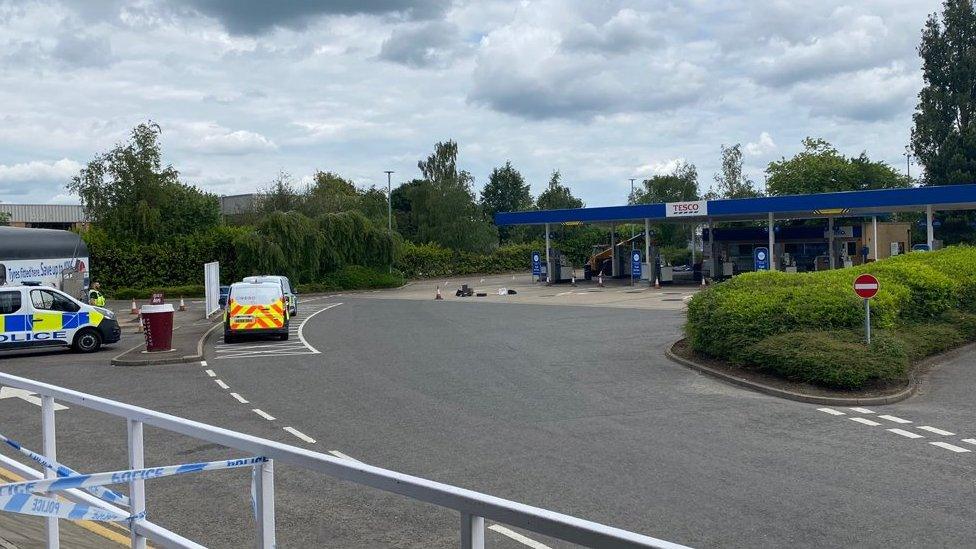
(44, 213)
(851, 203)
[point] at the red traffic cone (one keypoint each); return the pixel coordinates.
(135, 310)
(182, 305)
(657, 283)
(438, 296)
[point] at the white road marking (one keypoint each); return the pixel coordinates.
(203, 363)
(831, 411)
(253, 355)
(969, 440)
(935, 430)
(518, 537)
(221, 383)
(301, 327)
(263, 414)
(239, 398)
(211, 373)
(300, 435)
(947, 446)
(864, 421)
(905, 433)
(895, 419)
(340, 455)
(863, 410)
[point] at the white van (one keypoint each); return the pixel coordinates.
(32, 315)
(291, 297)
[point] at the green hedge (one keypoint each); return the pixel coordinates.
(431, 260)
(170, 292)
(353, 277)
(729, 320)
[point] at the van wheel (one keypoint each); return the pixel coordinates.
(229, 337)
(284, 336)
(87, 341)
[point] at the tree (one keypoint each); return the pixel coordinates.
(330, 193)
(944, 136)
(128, 192)
(557, 196)
(732, 182)
(281, 196)
(4, 219)
(442, 207)
(677, 186)
(819, 168)
(506, 191)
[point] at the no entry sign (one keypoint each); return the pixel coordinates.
(866, 286)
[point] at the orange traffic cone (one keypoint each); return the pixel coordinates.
(657, 283)
(438, 296)
(135, 310)
(703, 281)
(574, 279)
(182, 305)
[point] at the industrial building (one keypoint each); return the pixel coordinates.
(44, 216)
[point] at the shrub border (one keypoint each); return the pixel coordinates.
(808, 398)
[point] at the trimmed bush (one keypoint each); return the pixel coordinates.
(724, 320)
(834, 358)
(353, 277)
(431, 260)
(171, 292)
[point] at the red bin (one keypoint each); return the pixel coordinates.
(157, 324)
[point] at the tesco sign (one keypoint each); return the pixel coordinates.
(686, 209)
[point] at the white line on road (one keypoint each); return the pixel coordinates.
(300, 435)
(936, 431)
(211, 373)
(831, 411)
(222, 384)
(863, 410)
(518, 537)
(239, 398)
(203, 363)
(263, 414)
(969, 440)
(947, 446)
(340, 455)
(301, 326)
(261, 353)
(905, 433)
(896, 419)
(865, 421)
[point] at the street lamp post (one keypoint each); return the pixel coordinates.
(389, 209)
(908, 162)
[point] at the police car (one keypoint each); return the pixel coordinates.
(32, 315)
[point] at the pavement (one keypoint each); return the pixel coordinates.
(189, 327)
(565, 405)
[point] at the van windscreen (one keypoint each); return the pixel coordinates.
(256, 295)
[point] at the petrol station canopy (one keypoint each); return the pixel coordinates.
(821, 205)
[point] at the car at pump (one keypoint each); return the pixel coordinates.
(255, 309)
(32, 315)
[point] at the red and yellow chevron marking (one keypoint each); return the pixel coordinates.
(262, 316)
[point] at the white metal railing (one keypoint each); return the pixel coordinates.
(474, 507)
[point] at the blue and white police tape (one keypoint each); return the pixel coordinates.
(27, 504)
(65, 471)
(119, 477)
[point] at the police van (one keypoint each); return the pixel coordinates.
(255, 309)
(32, 315)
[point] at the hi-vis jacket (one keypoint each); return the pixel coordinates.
(38, 316)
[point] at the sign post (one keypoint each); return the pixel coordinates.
(537, 265)
(635, 266)
(760, 257)
(866, 286)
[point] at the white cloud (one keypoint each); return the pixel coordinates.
(212, 138)
(765, 145)
(662, 167)
(38, 171)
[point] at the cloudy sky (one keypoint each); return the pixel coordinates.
(602, 90)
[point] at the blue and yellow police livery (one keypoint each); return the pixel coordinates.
(35, 316)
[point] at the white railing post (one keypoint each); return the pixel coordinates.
(137, 488)
(472, 531)
(264, 509)
(50, 449)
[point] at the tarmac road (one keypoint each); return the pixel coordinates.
(570, 408)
